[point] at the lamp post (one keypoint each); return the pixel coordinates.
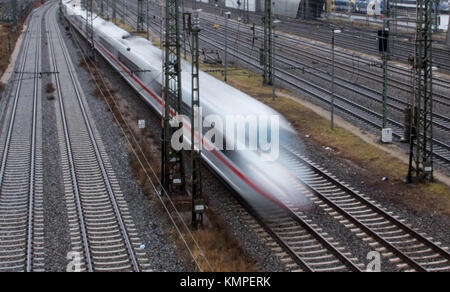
(227, 16)
(333, 32)
(275, 22)
(14, 15)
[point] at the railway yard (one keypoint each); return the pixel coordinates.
(88, 183)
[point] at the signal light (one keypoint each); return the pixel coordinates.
(383, 41)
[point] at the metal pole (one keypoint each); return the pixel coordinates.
(148, 20)
(198, 205)
(124, 11)
(140, 16)
(247, 12)
(385, 84)
(114, 13)
(90, 25)
(173, 163)
(267, 50)
(421, 168)
(227, 15)
(385, 56)
(107, 9)
(273, 64)
(183, 11)
(14, 15)
(332, 78)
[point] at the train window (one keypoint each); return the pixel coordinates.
(106, 45)
(135, 70)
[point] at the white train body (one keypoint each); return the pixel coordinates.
(140, 64)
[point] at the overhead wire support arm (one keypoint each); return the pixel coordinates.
(89, 6)
(14, 15)
(140, 16)
(114, 10)
(384, 48)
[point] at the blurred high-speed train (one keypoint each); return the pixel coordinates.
(257, 179)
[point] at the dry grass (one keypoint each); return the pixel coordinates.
(9, 39)
(221, 249)
(5, 48)
(373, 162)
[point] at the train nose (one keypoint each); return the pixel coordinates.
(294, 195)
(282, 186)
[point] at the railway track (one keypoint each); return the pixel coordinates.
(291, 43)
(367, 115)
(101, 228)
(290, 53)
(441, 122)
(359, 39)
(21, 172)
(408, 249)
(394, 103)
(289, 47)
(302, 245)
(309, 29)
(312, 249)
(351, 108)
(306, 245)
(403, 246)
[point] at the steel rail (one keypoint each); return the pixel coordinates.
(369, 111)
(325, 38)
(14, 110)
(360, 71)
(346, 85)
(341, 187)
(75, 185)
(31, 184)
(32, 149)
(99, 159)
(324, 99)
(285, 245)
(393, 80)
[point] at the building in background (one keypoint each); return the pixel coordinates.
(290, 8)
